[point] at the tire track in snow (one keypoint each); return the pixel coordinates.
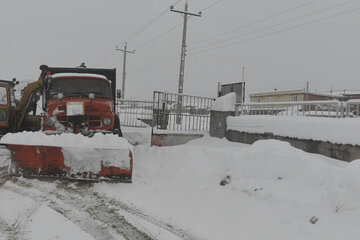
(3, 175)
(83, 221)
(182, 234)
(86, 212)
(115, 205)
(4, 228)
(17, 230)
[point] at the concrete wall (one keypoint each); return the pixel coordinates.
(172, 139)
(218, 123)
(344, 152)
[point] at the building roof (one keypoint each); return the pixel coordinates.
(295, 92)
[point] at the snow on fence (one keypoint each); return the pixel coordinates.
(330, 108)
(181, 113)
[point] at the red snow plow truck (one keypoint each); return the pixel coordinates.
(78, 135)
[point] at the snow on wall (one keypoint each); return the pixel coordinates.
(225, 103)
(334, 130)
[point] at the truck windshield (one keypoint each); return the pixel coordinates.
(79, 87)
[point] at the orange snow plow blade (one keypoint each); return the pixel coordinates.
(78, 164)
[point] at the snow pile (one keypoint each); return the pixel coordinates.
(89, 160)
(81, 154)
(99, 140)
(335, 130)
(49, 224)
(225, 103)
(272, 190)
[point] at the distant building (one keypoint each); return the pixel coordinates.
(293, 96)
(348, 94)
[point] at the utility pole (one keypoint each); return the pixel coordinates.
(125, 51)
(243, 86)
(307, 91)
(183, 54)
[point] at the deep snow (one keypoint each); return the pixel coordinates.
(225, 103)
(273, 192)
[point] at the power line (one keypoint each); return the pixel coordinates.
(156, 61)
(276, 32)
(158, 66)
(174, 27)
(104, 56)
(258, 21)
(159, 36)
(157, 17)
(278, 24)
(211, 5)
(151, 22)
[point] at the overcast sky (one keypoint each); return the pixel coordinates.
(283, 51)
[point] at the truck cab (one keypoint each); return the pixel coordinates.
(7, 104)
(79, 101)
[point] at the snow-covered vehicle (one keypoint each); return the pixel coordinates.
(78, 104)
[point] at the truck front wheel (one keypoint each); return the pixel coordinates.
(117, 128)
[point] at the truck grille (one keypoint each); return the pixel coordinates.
(93, 120)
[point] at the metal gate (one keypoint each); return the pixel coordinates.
(181, 113)
(169, 112)
(135, 113)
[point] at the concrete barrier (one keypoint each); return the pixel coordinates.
(218, 123)
(344, 152)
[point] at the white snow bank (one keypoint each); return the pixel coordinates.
(335, 130)
(48, 224)
(68, 140)
(225, 103)
(275, 190)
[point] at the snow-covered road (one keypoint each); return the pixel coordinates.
(268, 190)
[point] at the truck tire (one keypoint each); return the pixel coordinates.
(117, 128)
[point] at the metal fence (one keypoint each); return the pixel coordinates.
(331, 108)
(181, 113)
(135, 113)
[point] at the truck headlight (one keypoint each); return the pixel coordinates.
(3, 115)
(50, 122)
(107, 121)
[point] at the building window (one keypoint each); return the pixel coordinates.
(257, 99)
(293, 98)
(270, 99)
